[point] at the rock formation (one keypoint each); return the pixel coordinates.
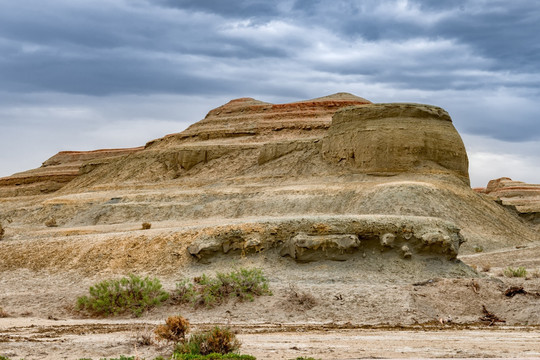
(387, 139)
(333, 178)
(58, 171)
(518, 196)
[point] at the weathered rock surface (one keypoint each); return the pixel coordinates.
(517, 196)
(250, 118)
(339, 158)
(333, 237)
(58, 171)
(393, 138)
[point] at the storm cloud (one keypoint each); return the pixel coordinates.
(86, 74)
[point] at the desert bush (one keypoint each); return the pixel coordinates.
(144, 336)
(518, 272)
(146, 225)
(213, 357)
(242, 284)
(174, 330)
(51, 222)
(301, 299)
(3, 313)
(478, 248)
(218, 341)
(129, 294)
(486, 267)
(123, 357)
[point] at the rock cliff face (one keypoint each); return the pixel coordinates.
(518, 196)
(333, 178)
(386, 139)
(256, 120)
(58, 171)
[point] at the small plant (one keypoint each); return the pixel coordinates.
(243, 284)
(213, 357)
(174, 330)
(518, 272)
(51, 222)
(129, 294)
(478, 248)
(144, 337)
(3, 314)
(301, 299)
(146, 225)
(218, 340)
(486, 267)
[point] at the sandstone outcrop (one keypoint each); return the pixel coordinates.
(386, 139)
(518, 196)
(252, 119)
(333, 237)
(252, 177)
(57, 171)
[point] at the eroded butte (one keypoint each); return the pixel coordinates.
(333, 178)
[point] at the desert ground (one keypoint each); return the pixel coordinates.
(349, 318)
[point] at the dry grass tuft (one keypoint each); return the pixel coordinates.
(51, 223)
(146, 226)
(174, 330)
(301, 299)
(3, 313)
(144, 337)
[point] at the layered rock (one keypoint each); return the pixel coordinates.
(517, 195)
(253, 119)
(333, 178)
(58, 170)
(386, 139)
(333, 238)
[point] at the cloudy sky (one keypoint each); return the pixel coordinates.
(82, 75)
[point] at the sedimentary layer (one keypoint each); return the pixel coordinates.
(518, 196)
(57, 171)
(250, 162)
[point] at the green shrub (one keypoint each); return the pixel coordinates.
(213, 357)
(518, 272)
(122, 357)
(217, 340)
(242, 284)
(129, 294)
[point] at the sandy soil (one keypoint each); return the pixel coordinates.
(33, 338)
(428, 319)
(362, 309)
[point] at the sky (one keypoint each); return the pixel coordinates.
(85, 75)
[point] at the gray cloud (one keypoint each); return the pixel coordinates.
(478, 59)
